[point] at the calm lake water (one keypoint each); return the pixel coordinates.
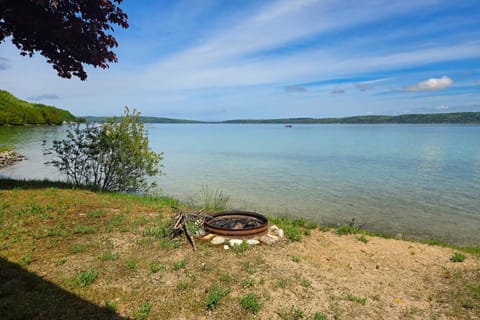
(421, 181)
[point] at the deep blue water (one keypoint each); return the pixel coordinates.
(417, 180)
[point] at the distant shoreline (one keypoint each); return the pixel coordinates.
(431, 118)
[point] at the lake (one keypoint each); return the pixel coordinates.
(420, 181)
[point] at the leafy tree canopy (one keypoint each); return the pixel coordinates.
(69, 33)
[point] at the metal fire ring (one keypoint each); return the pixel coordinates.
(238, 233)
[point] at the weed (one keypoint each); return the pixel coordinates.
(182, 285)
(157, 232)
(215, 201)
(26, 259)
(95, 213)
(242, 247)
(108, 255)
(131, 264)
(226, 278)
(306, 283)
(170, 244)
(296, 259)
(216, 295)
(84, 229)
(362, 238)
(78, 248)
(347, 229)
(112, 306)
(250, 303)
(282, 283)
(457, 257)
(291, 314)
(177, 265)
(353, 298)
(156, 267)
(248, 282)
(143, 312)
(85, 278)
(293, 232)
(319, 316)
(61, 261)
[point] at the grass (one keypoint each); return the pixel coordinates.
(457, 257)
(213, 200)
(85, 278)
(217, 293)
(250, 303)
(177, 265)
(143, 311)
(354, 298)
(37, 233)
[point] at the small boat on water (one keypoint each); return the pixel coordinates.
(288, 126)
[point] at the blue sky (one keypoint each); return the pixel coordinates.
(216, 60)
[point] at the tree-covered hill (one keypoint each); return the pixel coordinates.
(456, 117)
(14, 111)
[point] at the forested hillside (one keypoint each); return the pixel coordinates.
(14, 111)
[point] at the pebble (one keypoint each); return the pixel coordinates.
(252, 242)
(218, 240)
(208, 237)
(226, 247)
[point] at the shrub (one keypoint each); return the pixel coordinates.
(114, 157)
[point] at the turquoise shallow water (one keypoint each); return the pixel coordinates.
(418, 180)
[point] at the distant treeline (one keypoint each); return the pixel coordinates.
(14, 111)
(143, 119)
(457, 117)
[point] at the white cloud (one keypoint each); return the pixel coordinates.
(432, 84)
(441, 108)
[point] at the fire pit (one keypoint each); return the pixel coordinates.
(238, 224)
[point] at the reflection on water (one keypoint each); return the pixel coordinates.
(416, 180)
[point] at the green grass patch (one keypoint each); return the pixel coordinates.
(85, 278)
(83, 229)
(354, 298)
(177, 265)
(457, 257)
(216, 294)
(143, 311)
(250, 303)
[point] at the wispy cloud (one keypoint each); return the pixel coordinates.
(295, 88)
(431, 84)
(41, 97)
(364, 86)
(337, 91)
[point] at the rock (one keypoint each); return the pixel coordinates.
(269, 239)
(226, 247)
(274, 227)
(208, 237)
(235, 242)
(279, 232)
(200, 232)
(218, 240)
(253, 242)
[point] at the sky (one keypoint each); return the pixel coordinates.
(239, 59)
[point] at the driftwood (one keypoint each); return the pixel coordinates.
(181, 224)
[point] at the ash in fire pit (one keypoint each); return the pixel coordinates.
(241, 224)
